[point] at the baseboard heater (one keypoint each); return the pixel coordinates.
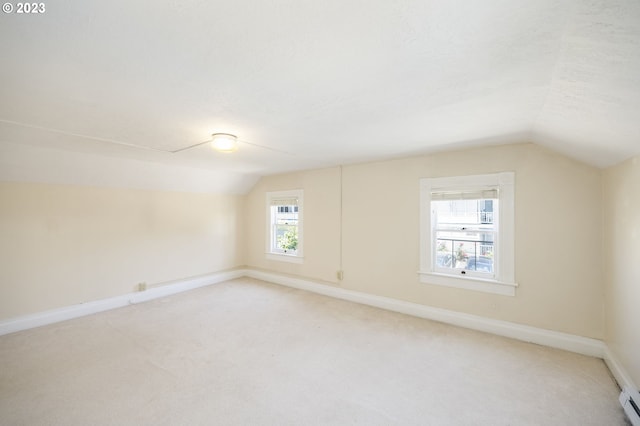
(630, 399)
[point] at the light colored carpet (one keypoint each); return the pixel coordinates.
(246, 352)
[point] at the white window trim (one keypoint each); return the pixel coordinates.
(504, 282)
(285, 257)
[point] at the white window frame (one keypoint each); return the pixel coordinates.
(503, 282)
(279, 256)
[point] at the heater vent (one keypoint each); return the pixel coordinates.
(630, 399)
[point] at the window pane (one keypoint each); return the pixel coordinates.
(285, 237)
(286, 215)
(285, 229)
(459, 213)
(469, 250)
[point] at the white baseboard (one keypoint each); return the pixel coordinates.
(69, 312)
(554, 339)
(619, 373)
(582, 345)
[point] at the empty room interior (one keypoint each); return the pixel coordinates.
(298, 212)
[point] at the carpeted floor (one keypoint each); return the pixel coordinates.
(246, 352)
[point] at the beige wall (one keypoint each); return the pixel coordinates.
(63, 245)
(622, 263)
(558, 233)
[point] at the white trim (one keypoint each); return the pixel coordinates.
(276, 195)
(469, 283)
(619, 373)
(504, 282)
(38, 319)
(281, 257)
(554, 339)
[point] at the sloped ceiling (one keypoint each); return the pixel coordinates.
(96, 92)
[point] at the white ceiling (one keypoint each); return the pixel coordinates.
(307, 84)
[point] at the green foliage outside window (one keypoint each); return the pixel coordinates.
(289, 240)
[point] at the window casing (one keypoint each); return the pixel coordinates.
(284, 212)
(467, 232)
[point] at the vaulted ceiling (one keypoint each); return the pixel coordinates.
(98, 92)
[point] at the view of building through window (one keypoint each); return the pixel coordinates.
(465, 234)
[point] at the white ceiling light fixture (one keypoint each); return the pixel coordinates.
(224, 142)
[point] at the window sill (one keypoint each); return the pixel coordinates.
(469, 283)
(280, 257)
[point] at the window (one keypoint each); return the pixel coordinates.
(284, 226)
(466, 231)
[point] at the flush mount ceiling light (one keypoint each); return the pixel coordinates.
(224, 142)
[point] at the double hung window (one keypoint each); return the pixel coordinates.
(467, 232)
(284, 225)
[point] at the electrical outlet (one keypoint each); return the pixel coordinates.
(142, 286)
(340, 275)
